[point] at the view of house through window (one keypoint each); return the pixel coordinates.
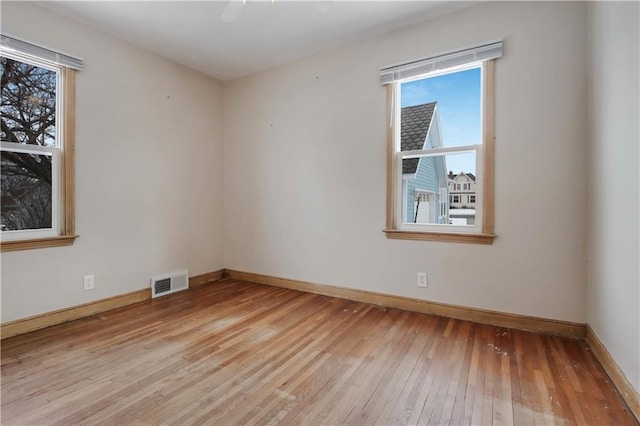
(29, 159)
(440, 146)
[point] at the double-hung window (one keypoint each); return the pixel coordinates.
(441, 127)
(37, 143)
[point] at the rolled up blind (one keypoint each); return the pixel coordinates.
(17, 46)
(482, 52)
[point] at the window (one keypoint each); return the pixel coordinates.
(426, 101)
(36, 163)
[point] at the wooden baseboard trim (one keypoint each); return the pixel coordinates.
(617, 376)
(206, 278)
(501, 319)
(36, 322)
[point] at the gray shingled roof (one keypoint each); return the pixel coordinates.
(415, 123)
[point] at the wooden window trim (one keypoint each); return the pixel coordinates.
(487, 235)
(67, 229)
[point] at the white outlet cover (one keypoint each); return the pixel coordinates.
(422, 280)
(88, 282)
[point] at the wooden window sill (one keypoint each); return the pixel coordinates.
(36, 243)
(440, 236)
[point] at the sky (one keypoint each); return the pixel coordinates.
(458, 97)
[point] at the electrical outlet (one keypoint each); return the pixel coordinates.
(422, 279)
(89, 282)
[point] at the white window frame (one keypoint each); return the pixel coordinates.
(53, 151)
(399, 156)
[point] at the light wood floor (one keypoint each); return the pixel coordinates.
(240, 353)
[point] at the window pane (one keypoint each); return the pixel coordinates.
(456, 99)
(434, 194)
(414, 132)
(26, 191)
(28, 106)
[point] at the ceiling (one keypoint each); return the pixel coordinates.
(228, 39)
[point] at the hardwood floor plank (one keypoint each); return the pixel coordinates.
(405, 402)
(356, 356)
(242, 353)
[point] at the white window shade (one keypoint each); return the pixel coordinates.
(22, 48)
(482, 52)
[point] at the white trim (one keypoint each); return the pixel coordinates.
(26, 148)
(397, 123)
(448, 60)
(403, 206)
(436, 227)
(28, 234)
(398, 180)
(435, 152)
(438, 73)
(479, 189)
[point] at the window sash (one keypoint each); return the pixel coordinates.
(400, 196)
(55, 191)
(60, 89)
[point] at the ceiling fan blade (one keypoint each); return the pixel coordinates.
(232, 11)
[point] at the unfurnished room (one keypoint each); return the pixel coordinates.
(242, 212)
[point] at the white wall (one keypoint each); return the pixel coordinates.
(305, 192)
(614, 182)
(148, 171)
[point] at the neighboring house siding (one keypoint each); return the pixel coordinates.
(463, 210)
(426, 178)
(422, 179)
(463, 193)
(421, 130)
